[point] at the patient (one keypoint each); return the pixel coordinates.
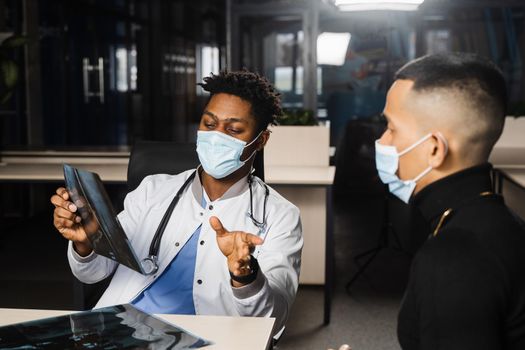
(467, 283)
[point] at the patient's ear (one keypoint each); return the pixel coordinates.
(439, 150)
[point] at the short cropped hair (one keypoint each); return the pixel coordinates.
(475, 80)
(251, 87)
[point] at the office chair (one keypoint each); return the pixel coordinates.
(153, 157)
(148, 158)
(356, 174)
(382, 242)
(403, 229)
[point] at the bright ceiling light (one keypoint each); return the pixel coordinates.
(372, 5)
(332, 47)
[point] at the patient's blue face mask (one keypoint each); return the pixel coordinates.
(220, 154)
(387, 164)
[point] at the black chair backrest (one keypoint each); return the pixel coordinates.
(155, 157)
(355, 171)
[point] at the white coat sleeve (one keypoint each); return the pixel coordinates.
(94, 268)
(273, 292)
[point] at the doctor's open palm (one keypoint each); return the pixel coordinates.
(236, 247)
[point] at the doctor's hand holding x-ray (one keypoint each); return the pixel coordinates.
(236, 246)
(68, 223)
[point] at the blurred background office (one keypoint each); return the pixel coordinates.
(87, 79)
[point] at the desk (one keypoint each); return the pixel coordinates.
(510, 182)
(308, 187)
(296, 164)
(48, 172)
(300, 175)
(115, 170)
(508, 157)
(47, 166)
(509, 151)
(227, 333)
(516, 175)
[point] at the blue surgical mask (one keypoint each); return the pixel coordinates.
(387, 164)
(220, 154)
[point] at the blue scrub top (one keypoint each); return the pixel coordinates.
(172, 292)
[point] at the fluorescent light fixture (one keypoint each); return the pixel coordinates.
(332, 47)
(373, 5)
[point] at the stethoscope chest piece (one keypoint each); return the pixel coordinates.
(150, 265)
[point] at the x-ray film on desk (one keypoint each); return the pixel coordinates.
(114, 327)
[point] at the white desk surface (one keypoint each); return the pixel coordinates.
(297, 175)
(115, 170)
(37, 172)
(516, 174)
(227, 333)
(508, 157)
(118, 151)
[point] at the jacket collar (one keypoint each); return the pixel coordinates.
(235, 190)
(452, 191)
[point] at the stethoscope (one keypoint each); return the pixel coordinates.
(150, 264)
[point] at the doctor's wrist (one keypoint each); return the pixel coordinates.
(82, 248)
(239, 281)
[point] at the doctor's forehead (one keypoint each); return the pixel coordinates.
(226, 107)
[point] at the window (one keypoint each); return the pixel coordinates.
(208, 60)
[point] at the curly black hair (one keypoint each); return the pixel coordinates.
(264, 99)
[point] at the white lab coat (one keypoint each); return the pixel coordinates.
(271, 294)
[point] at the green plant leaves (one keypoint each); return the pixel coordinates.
(9, 73)
(297, 116)
(5, 96)
(14, 41)
(8, 67)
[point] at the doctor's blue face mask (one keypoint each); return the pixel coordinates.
(387, 164)
(220, 154)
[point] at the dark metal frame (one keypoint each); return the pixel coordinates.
(308, 11)
(329, 258)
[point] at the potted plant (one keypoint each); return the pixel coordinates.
(297, 116)
(298, 140)
(9, 70)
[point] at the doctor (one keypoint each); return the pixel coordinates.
(232, 245)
